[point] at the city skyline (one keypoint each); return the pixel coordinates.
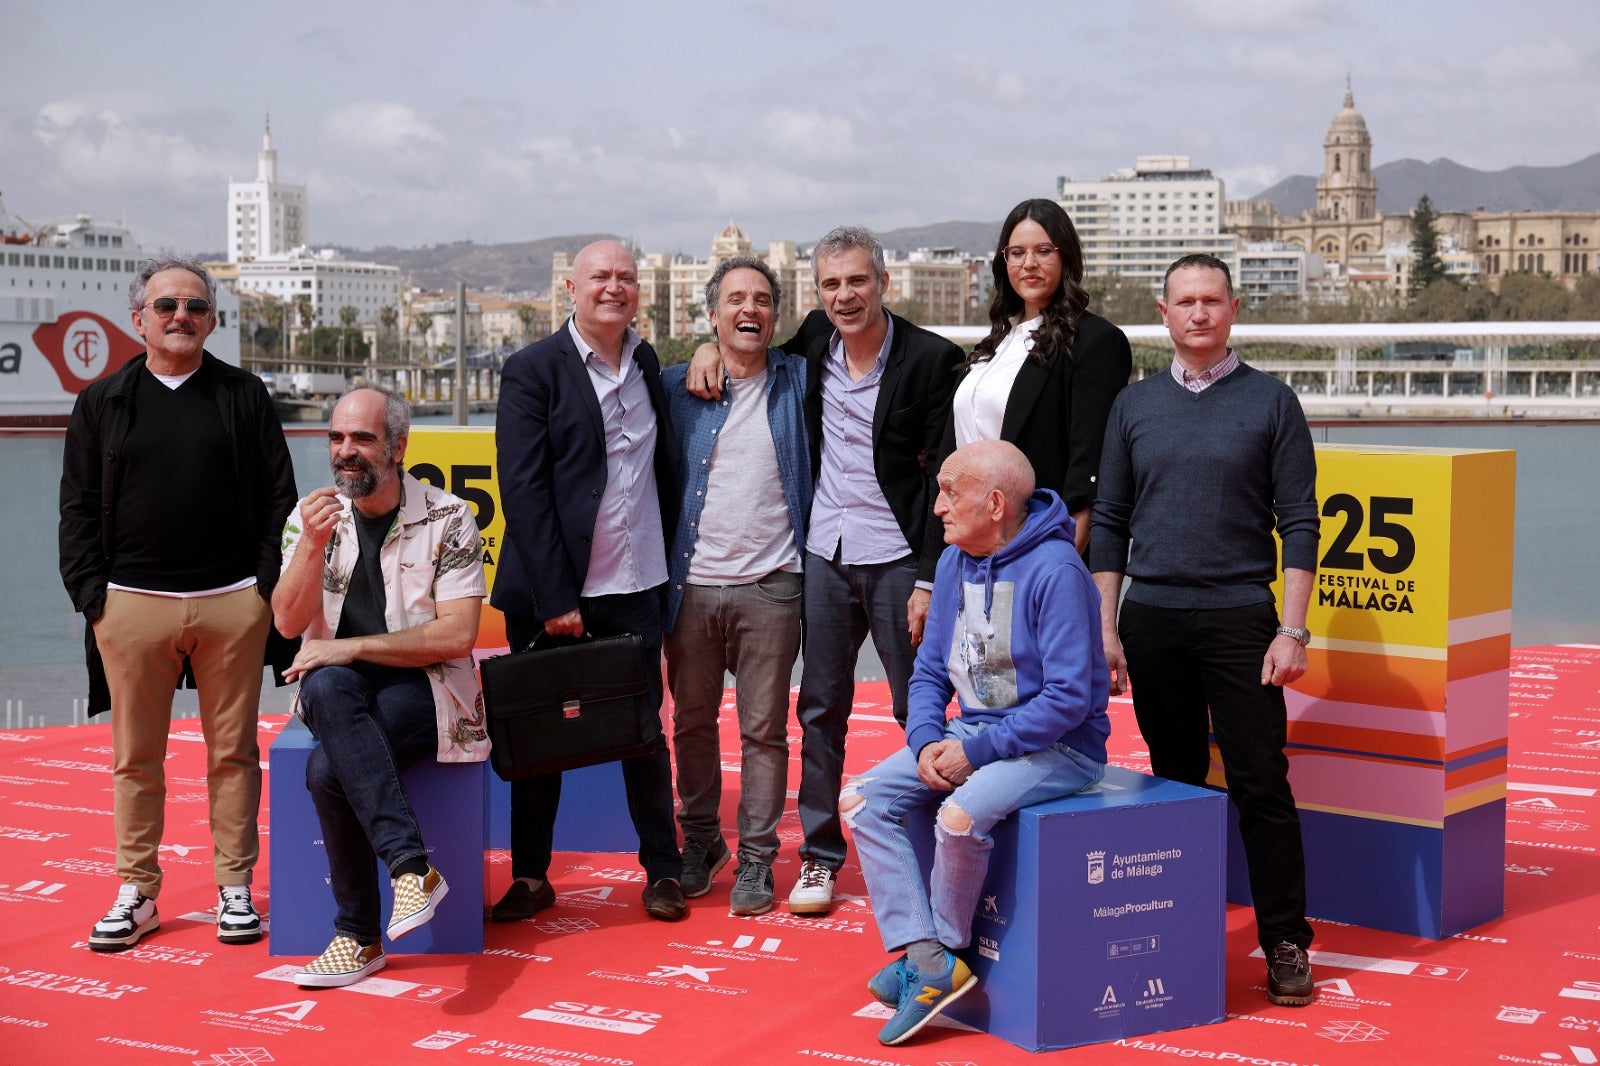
(499, 123)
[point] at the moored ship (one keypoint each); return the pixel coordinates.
(64, 318)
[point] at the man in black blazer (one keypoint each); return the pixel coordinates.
(877, 399)
(588, 481)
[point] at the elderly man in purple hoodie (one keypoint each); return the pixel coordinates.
(1014, 633)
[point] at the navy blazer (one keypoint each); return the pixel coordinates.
(1057, 411)
(908, 423)
(551, 456)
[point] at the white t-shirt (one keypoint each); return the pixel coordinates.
(745, 529)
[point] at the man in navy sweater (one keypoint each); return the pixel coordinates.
(1199, 466)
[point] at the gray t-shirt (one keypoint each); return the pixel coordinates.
(745, 531)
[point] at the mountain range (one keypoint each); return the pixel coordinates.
(1453, 187)
(524, 266)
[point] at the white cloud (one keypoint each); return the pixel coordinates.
(376, 128)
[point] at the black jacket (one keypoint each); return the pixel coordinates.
(908, 423)
(550, 449)
(91, 481)
(1057, 411)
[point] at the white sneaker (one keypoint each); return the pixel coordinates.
(237, 920)
(129, 919)
(813, 893)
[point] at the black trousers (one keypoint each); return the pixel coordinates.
(646, 779)
(1184, 663)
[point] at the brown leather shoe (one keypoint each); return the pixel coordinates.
(664, 900)
(521, 902)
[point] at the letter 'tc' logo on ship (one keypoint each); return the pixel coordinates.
(82, 347)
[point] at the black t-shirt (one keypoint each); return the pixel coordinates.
(366, 598)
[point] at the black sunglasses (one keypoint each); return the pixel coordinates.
(167, 305)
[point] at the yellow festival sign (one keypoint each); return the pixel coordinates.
(460, 460)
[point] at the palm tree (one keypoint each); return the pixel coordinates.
(387, 318)
(527, 314)
(347, 322)
(424, 321)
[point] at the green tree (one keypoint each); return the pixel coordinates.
(527, 315)
(303, 310)
(672, 350)
(1426, 266)
(388, 316)
(323, 344)
(424, 323)
(347, 323)
(1528, 297)
(1124, 302)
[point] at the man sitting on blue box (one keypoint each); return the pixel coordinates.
(1014, 633)
(387, 594)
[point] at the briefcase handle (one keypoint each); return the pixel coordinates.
(545, 639)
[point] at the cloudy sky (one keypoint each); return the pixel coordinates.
(494, 120)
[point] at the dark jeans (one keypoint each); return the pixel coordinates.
(843, 604)
(373, 722)
(1184, 662)
(646, 778)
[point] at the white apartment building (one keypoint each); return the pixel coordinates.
(266, 217)
(1138, 220)
(1276, 268)
(331, 281)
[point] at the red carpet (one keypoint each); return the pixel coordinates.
(594, 981)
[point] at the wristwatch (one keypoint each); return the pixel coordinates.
(1300, 636)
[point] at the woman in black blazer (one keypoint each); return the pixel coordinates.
(1046, 374)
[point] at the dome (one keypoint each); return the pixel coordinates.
(1348, 120)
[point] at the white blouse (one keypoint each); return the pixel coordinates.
(980, 401)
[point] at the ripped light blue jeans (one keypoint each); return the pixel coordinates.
(876, 806)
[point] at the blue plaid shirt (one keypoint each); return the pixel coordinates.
(698, 423)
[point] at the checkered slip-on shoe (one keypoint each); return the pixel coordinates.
(415, 899)
(343, 963)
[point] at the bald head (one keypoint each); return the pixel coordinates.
(604, 286)
(983, 495)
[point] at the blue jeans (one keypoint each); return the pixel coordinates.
(647, 779)
(906, 906)
(373, 722)
(844, 603)
(752, 630)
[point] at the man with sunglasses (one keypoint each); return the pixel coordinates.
(175, 484)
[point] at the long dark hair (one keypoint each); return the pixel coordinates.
(1059, 329)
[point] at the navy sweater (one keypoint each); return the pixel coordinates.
(1192, 485)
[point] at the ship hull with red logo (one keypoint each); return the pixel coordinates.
(64, 316)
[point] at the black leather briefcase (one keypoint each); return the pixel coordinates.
(565, 703)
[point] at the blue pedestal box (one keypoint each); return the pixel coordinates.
(1102, 916)
(448, 801)
(593, 815)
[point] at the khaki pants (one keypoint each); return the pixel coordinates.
(143, 641)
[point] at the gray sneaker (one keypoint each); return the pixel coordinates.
(752, 891)
(702, 858)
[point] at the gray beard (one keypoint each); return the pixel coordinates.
(358, 483)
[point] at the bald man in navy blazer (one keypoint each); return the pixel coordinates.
(588, 481)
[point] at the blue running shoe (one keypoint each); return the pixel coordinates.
(886, 984)
(923, 996)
